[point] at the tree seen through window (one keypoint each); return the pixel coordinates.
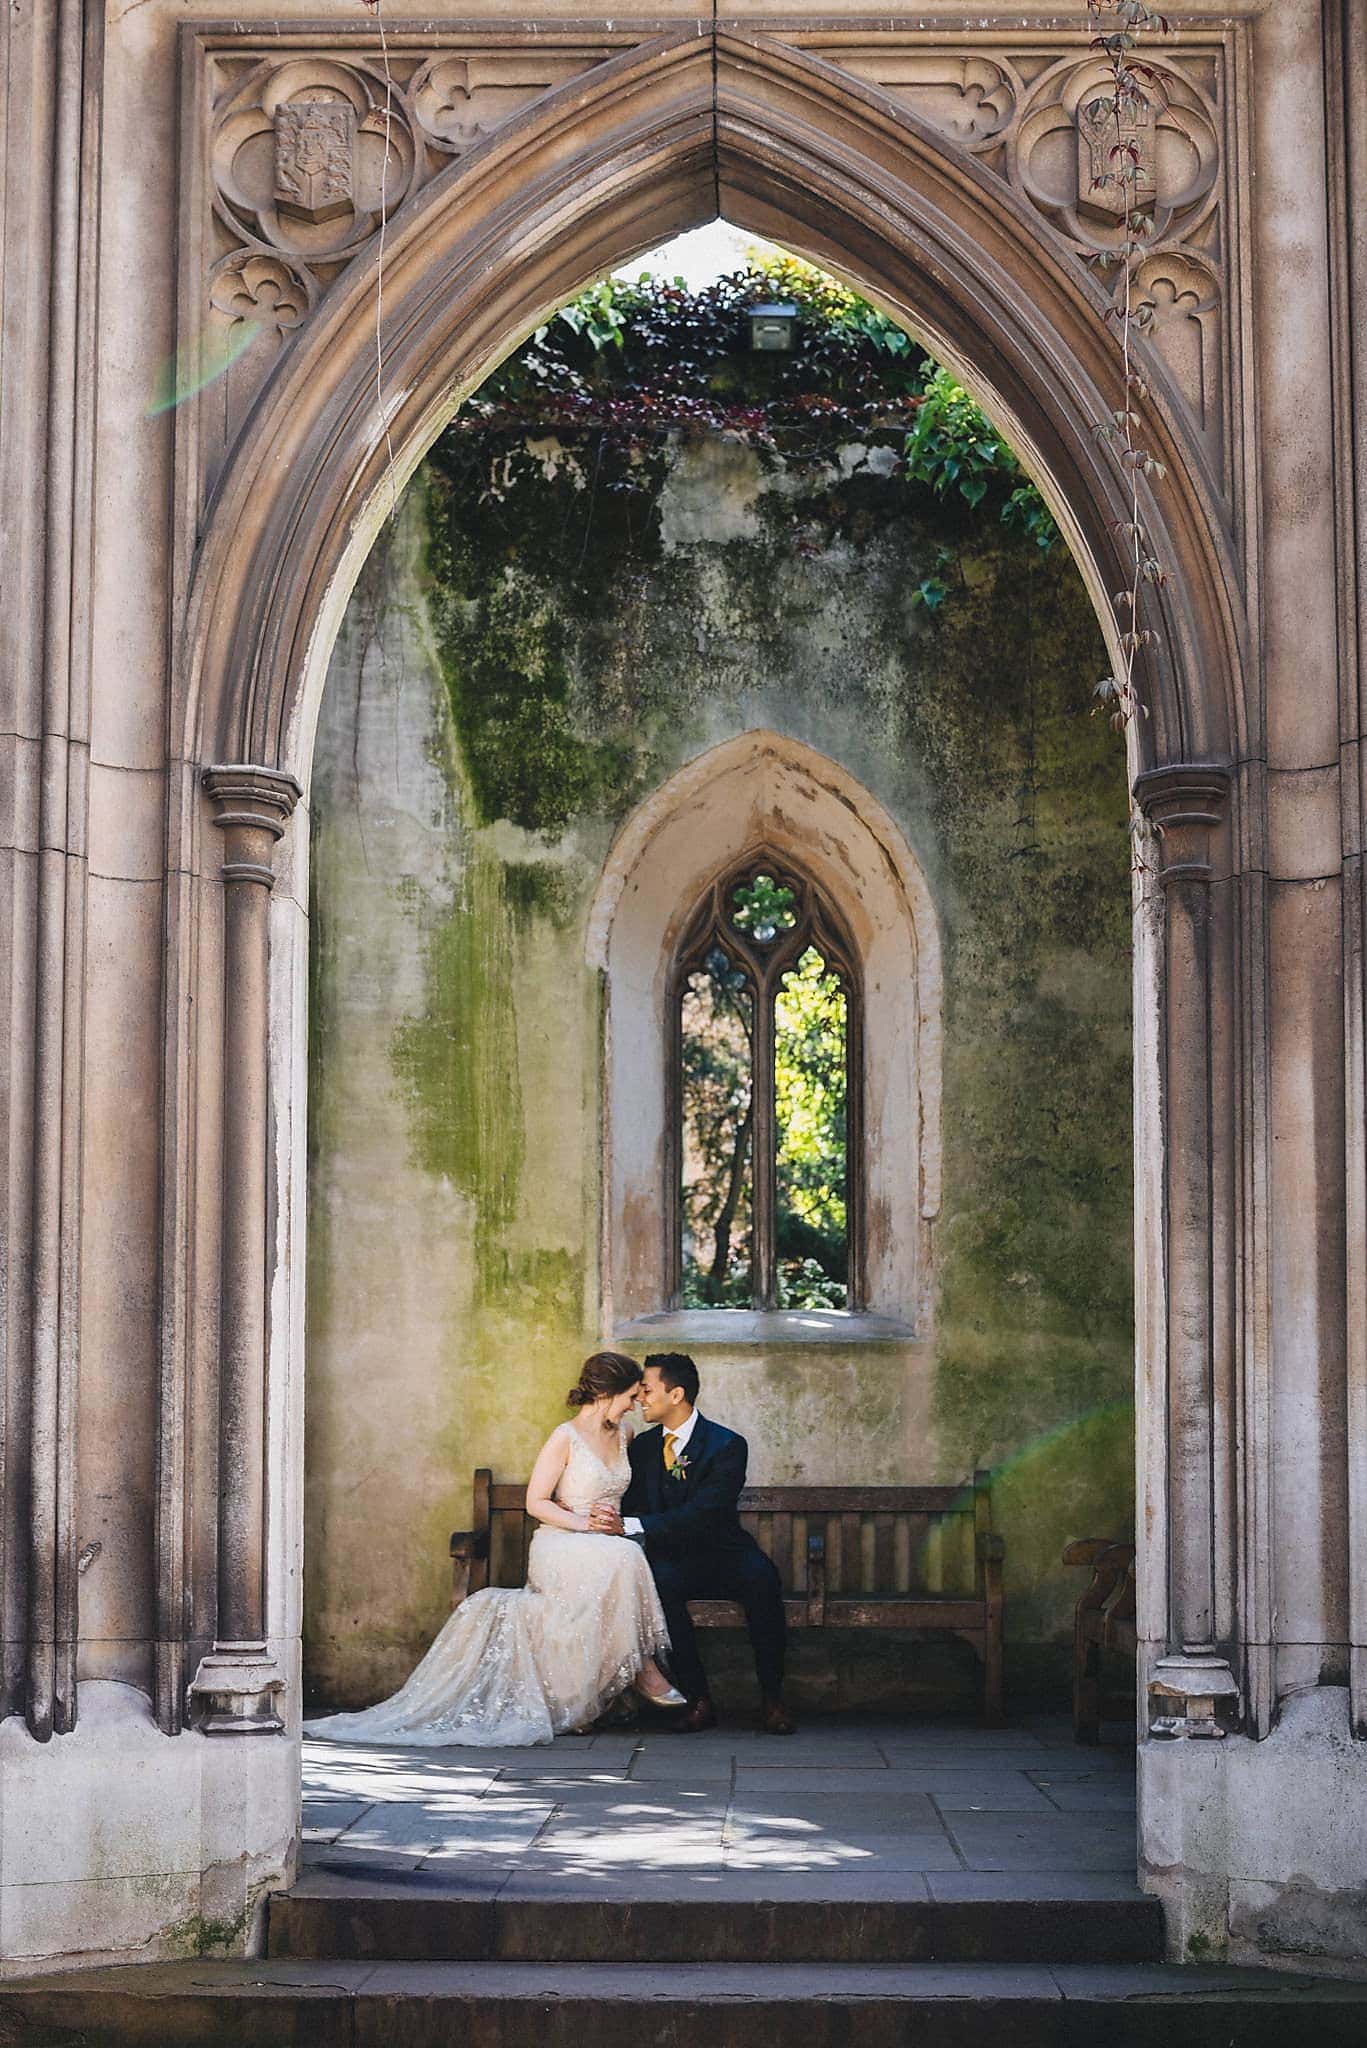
(766, 1022)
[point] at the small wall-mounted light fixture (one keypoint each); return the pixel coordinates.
(773, 329)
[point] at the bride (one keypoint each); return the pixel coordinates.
(513, 1667)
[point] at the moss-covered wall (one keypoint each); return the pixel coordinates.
(517, 669)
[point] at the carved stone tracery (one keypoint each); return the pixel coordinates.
(308, 155)
(310, 152)
(1117, 167)
(1044, 121)
(315, 148)
(311, 149)
(973, 97)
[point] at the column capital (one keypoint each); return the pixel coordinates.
(1185, 803)
(245, 794)
(252, 806)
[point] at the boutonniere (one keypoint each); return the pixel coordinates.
(679, 1469)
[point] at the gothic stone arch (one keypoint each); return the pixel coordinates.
(657, 138)
(941, 167)
(766, 793)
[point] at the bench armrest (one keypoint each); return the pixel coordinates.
(1109, 1562)
(468, 1546)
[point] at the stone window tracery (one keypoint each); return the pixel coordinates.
(765, 804)
(765, 1167)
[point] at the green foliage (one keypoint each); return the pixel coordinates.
(763, 908)
(952, 447)
(931, 591)
(1026, 511)
(717, 1044)
(631, 362)
(810, 1104)
(596, 313)
(829, 304)
(810, 1086)
(508, 647)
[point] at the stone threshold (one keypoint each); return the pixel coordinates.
(315, 2004)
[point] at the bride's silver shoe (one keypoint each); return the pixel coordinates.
(672, 1698)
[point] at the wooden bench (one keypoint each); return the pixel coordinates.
(859, 1557)
(1103, 1624)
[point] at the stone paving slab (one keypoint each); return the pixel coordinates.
(1088, 1795)
(990, 1792)
(632, 1800)
(1078, 1886)
(325, 1819)
(861, 1802)
(878, 1853)
(715, 1983)
(823, 1807)
(712, 1982)
(349, 1874)
(1037, 1843)
(549, 1772)
(834, 1782)
(728, 1885)
(652, 1768)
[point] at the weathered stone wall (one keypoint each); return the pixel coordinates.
(150, 632)
(513, 676)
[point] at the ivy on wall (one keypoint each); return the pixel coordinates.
(599, 395)
(631, 362)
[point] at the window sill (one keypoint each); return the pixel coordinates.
(727, 1329)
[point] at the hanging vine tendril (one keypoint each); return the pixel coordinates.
(376, 7)
(1119, 29)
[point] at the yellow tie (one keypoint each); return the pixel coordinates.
(669, 1449)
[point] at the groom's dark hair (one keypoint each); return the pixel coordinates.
(676, 1369)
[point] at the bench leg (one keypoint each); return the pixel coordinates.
(994, 1706)
(1086, 1691)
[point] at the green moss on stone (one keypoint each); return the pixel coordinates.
(586, 650)
(457, 1060)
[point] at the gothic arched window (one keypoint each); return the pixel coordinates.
(765, 1170)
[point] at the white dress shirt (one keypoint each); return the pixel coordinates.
(631, 1525)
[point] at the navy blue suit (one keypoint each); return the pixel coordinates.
(698, 1550)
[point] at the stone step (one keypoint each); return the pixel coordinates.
(313, 2004)
(728, 1920)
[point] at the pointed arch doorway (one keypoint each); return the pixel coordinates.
(650, 142)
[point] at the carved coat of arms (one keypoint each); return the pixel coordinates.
(1116, 159)
(315, 144)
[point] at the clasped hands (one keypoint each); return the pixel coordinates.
(605, 1520)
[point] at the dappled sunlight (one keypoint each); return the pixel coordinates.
(857, 1803)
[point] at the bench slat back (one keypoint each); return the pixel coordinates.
(876, 1541)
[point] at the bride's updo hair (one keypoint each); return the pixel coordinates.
(605, 1374)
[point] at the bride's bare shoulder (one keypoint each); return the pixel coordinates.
(556, 1448)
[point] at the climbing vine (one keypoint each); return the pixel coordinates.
(630, 362)
(1120, 27)
(854, 368)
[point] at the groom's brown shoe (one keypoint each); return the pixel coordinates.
(776, 1720)
(700, 1715)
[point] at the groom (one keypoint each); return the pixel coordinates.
(686, 1480)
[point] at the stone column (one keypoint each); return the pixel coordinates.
(235, 1688)
(1192, 1689)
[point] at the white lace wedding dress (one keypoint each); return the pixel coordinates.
(511, 1668)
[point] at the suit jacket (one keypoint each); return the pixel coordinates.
(682, 1514)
